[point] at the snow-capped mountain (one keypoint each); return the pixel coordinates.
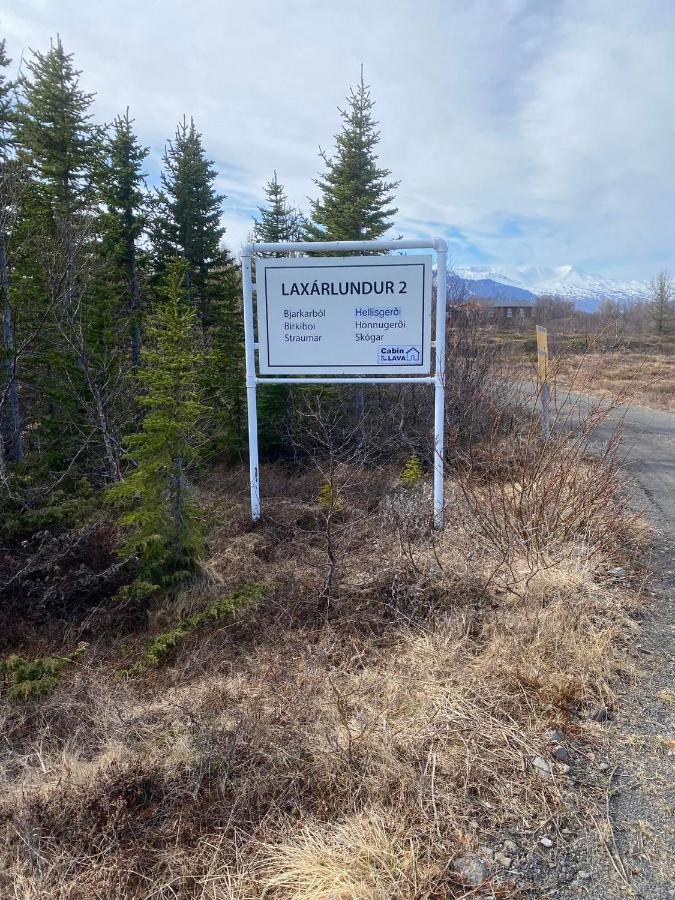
(497, 287)
(587, 291)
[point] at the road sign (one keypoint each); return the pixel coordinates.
(346, 299)
(350, 315)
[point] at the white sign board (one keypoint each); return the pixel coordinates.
(349, 315)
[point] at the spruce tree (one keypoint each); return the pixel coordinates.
(11, 444)
(277, 222)
(356, 195)
(6, 103)
(122, 188)
(75, 370)
(355, 198)
(59, 143)
(162, 520)
(187, 215)
(59, 151)
(223, 380)
(186, 224)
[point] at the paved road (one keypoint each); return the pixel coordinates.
(648, 450)
(649, 446)
(642, 791)
(645, 799)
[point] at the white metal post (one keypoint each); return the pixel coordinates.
(252, 410)
(339, 246)
(441, 249)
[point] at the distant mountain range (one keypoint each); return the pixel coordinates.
(529, 282)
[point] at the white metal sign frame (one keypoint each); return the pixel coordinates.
(437, 379)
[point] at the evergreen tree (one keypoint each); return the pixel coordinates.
(354, 204)
(74, 373)
(186, 223)
(187, 215)
(355, 193)
(223, 380)
(11, 444)
(277, 222)
(6, 89)
(122, 190)
(164, 529)
(59, 144)
(56, 142)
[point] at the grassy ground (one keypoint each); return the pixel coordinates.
(644, 379)
(384, 710)
(640, 370)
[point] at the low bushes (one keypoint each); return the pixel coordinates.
(162, 646)
(35, 679)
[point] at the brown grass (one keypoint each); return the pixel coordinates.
(645, 379)
(638, 369)
(342, 746)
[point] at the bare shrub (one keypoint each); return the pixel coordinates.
(408, 511)
(534, 499)
(340, 449)
(473, 380)
(54, 581)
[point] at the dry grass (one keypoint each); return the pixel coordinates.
(639, 370)
(643, 378)
(367, 855)
(322, 747)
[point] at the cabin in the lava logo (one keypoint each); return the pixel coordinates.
(391, 355)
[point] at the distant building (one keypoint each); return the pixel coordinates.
(501, 308)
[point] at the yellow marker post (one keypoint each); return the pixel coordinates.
(542, 352)
(542, 367)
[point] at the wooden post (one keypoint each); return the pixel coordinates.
(542, 370)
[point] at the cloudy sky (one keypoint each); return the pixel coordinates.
(528, 132)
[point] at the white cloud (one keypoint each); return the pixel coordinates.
(536, 132)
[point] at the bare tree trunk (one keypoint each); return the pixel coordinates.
(135, 295)
(135, 323)
(100, 412)
(178, 480)
(3, 463)
(360, 413)
(661, 305)
(98, 373)
(10, 414)
(110, 444)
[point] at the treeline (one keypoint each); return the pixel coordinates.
(121, 362)
(654, 315)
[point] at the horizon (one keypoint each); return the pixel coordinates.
(541, 171)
